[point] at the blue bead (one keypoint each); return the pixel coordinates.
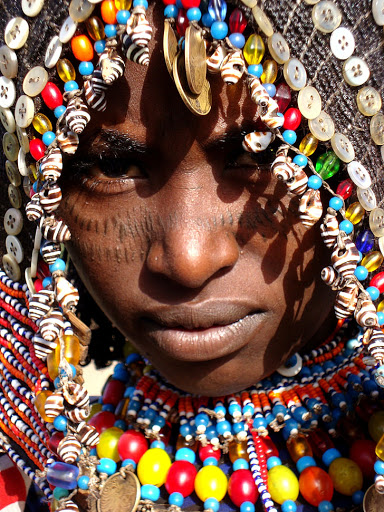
(83, 482)
(158, 444)
(62, 475)
(171, 11)
(108, 407)
(150, 492)
(219, 30)
(255, 70)
(210, 461)
(325, 506)
(150, 414)
(159, 420)
(211, 432)
(379, 467)
(71, 85)
(289, 136)
(207, 20)
(352, 344)
(365, 241)
(305, 372)
(57, 382)
(107, 466)
(219, 409)
(194, 14)
(179, 4)
(99, 46)
(247, 506)
(86, 68)
(346, 226)
(129, 391)
(185, 454)
(299, 413)
(279, 409)
(300, 160)
(288, 506)
(374, 292)
(237, 39)
(176, 498)
(314, 182)
(120, 373)
(217, 10)
(240, 464)
(305, 462)
(330, 455)
(127, 462)
(360, 257)
(357, 497)
(60, 423)
(93, 452)
(380, 317)
(122, 17)
(138, 3)
(233, 408)
(48, 138)
(211, 504)
(223, 426)
(336, 203)
(202, 419)
(238, 427)
(60, 492)
(185, 429)
(132, 358)
(248, 409)
(58, 265)
(110, 30)
(121, 424)
(361, 273)
(59, 111)
(273, 461)
(271, 89)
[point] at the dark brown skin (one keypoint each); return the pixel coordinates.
(184, 238)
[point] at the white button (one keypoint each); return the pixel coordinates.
(53, 53)
(262, 20)
(342, 43)
(376, 222)
(14, 247)
(32, 8)
(16, 33)
(8, 62)
(7, 92)
(14, 196)
(343, 148)
(359, 175)
(322, 127)
(377, 129)
(378, 11)
(35, 81)
(278, 48)
(27, 186)
(295, 74)
(10, 146)
(23, 138)
(98, 1)
(309, 102)
(366, 198)
(7, 119)
(80, 10)
(11, 267)
(21, 163)
(13, 173)
(68, 29)
(311, 2)
(368, 101)
(24, 111)
(381, 246)
(326, 16)
(355, 71)
(13, 221)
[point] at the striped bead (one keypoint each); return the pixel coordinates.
(138, 27)
(87, 434)
(77, 116)
(69, 449)
(66, 294)
(50, 251)
(54, 230)
(216, 59)
(68, 141)
(34, 210)
(232, 68)
(376, 345)
(54, 405)
(76, 395)
(346, 301)
(344, 260)
(40, 304)
(77, 414)
(43, 347)
(51, 165)
(94, 97)
(329, 276)
(257, 141)
(52, 325)
(298, 183)
(282, 167)
(329, 230)
(365, 313)
(138, 54)
(310, 207)
(50, 197)
(112, 66)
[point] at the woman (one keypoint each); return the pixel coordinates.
(208, 262)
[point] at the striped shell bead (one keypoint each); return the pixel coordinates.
(310, 207)
(52, 325)
(76, 395)
(87, 434)
(68, 141)
(344, 260)
(232, 68)
(54, 405)
(69, 449)
(77, 116)
(40, 304)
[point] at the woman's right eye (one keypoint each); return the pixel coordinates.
(112, 168)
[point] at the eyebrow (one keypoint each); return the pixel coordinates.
(114, 143)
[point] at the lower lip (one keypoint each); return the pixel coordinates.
(203, 344)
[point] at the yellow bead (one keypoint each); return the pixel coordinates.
(372, 260)
(123, 5)
(380, 307)
(107, 446)
(346, 476)
(40, 400)
(65, 70)
(269, 72)
(211, 482)
(355, 213)
(298, 447)
(238, 450)
(53, 360)
(380, 447)
(94, 409)
(376, 425)
(282, 484)
(71, 349)
(95, 28)
(153, 467)
(41, 123)
(308, 145)
(254, 49)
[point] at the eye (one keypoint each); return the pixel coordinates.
(116, 168)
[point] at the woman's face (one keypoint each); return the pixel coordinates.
(194, 251)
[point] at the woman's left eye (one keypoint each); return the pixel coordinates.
(121, 168)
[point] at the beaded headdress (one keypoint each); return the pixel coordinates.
(44, 406)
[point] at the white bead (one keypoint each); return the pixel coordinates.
(7, 92)
(343, 148)
(12, 173)
(342, 43)
(378, 11)
(14, 247)
(355, 71)
(24, 111)
(80, 10)
(11, 267)
(295, 74)
(292, 371)
(8, 62)
(278, 48)
(16, 33)
(359, 175)
(53, 53)
(32, 8)
(13, 221)
(14, 196)
(21, 163)
(326, 16)
(10, 146)
(7, 119)
(309, 102)
(366, 198)
(23, 139)
(35, 81)
(67, 31)
(322, 127)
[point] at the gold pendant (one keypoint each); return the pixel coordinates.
(120, 494)
(373, 501)
(195, 59)
(169, 46)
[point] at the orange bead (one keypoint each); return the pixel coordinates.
(82, 48)
(108, 12)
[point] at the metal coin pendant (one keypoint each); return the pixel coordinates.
(195, 59)
(120, 494)
(169, 46)
(373, 501)
(199, 104)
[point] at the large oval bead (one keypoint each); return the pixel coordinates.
(269, 72)
(153, 467)
(211, 482)
(238, 450)
(346, 476)
(254, 49)
(181, 478)
(298, 446)
(108, 442)
(355, 212)
(282, 484)
(242, 487)
(315, 485)
(372, 261)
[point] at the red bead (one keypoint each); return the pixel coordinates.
(268, 447)
(188, 4)
(208, 451)
(242, 487)
(363, 453)
(237, 22)
(320, 442)
(165, 433)
(182, 22)
(315, 485)
(52, 96)
(345, 188)
(113, 392)
(82, 48)
(378, 281)
(181, 478)
(37, 148)
(38, 284)
(292, 119)
(42, 270)
(54, 441)
(132, 445)
(102, 420)
(169, 2)
(283, 97)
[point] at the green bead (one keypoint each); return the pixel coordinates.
(59, 493)
(320, 162)
(329, 166)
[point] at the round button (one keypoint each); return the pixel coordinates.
(309, 102)
(278, 48)
(311, 2)
(366, 198)
(24, 111)
(342, 43)
(343, 148)
(295, 74)
(11, 267)
(94, 1)
(376, 222)
(377, 129)
(326, 16)
(7, 119)
(263, 21)
(13, 173)
(32, 8)
(35, 81)
(53, 53)
(8, 62)
(14, 196)
(23, 138)
(7, 92)
(378, 11)
(322, 127)
(67, 31)
(80, 10)
(14, 247)
(16, 33)
(21, 163)
(359, 175)
(13, 221)
(355, 71)
(10, 146)
(27, 184)
(368, 101)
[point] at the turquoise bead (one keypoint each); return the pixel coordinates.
(346, 226)
(186, 454)
(150, 492)
(83, 482)
(176, 498)
(107, 466)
